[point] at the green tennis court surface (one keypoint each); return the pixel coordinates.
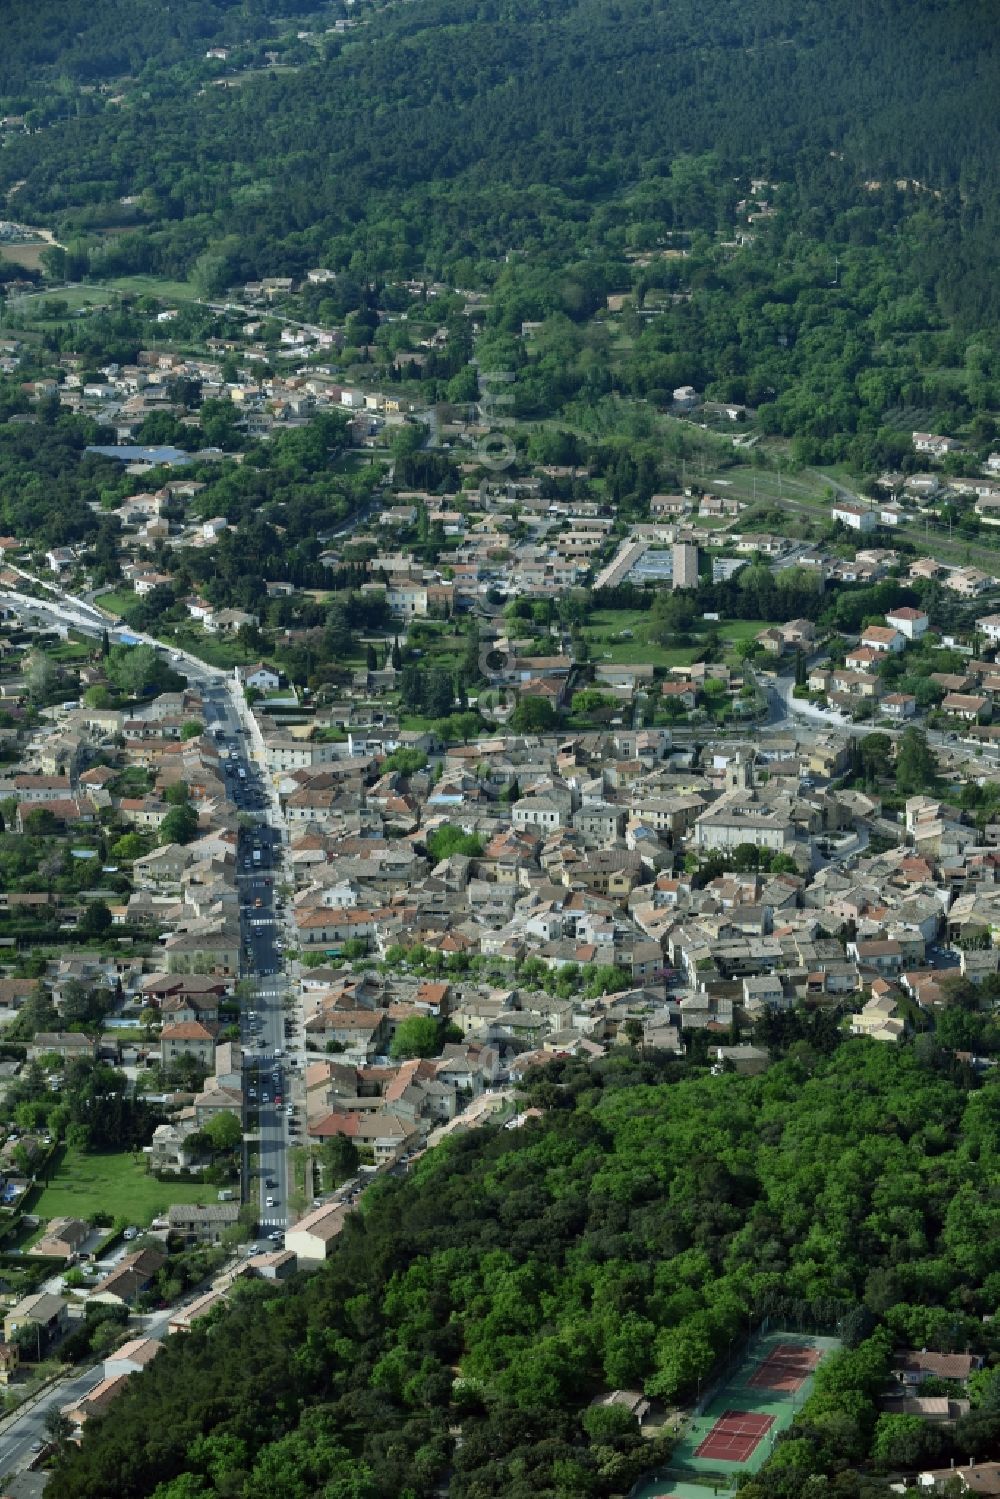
(738, 1425)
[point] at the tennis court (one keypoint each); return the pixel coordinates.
(787, 1367)
(734, 1427)
(734, 1436)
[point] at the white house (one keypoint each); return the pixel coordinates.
(856, 517)
(933, 442)
(259, 676)
(989, 626)
(312, 1236)
(912, 623)
(885, 641)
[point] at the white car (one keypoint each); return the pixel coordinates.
(269, 1202)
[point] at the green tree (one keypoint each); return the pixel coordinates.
(339, 1159)
(534, 715)
(96, 920)
(129, 846)
(135, 668)
(417, 1036)
(224, 1131)
(916, 766)
(192, 729)
(903, 1442)
(58, 1427)
(179, 826)
(40, 675)
(876, 757)
(448, 839)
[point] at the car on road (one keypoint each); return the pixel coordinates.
(276, 1237)
(269, 1181)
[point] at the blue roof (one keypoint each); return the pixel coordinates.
(127, 454)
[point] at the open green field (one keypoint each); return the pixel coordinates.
(71, 651)
(155, 286)
(742, 629)
(606, 625)
(116, 601)
(635, 652)
(750, 484)
(224, 653)
(115, 1184)
(74, 298)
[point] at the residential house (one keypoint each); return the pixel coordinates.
(63, 1238)
(202, 1223)
(47, 1315)
(912, 623)
(883, 641)
(310, 1239)
(132, 1357)
(188, 1038)
(131, 1278)
(969, 707)
(855, 517)
(260, 676)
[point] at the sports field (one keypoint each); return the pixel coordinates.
(734, 1436)
(739, 1424)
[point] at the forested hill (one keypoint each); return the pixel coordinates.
(622, 1240)
(440, 133)
(93, 41)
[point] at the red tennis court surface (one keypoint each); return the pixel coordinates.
(787, 1367)
(734, 1436)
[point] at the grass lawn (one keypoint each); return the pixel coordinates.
(116, 1184)
(605, 624)
(116, 602)
(155, 286)
(743, 629)
(617, 619)
(634, 652)
(70, 651)
(217, 652)
(74, 297)
(748, 483)
(415, 723)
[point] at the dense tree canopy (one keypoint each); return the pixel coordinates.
(622, 1240)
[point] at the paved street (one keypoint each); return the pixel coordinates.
(268, 1069)
(273, 1053)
